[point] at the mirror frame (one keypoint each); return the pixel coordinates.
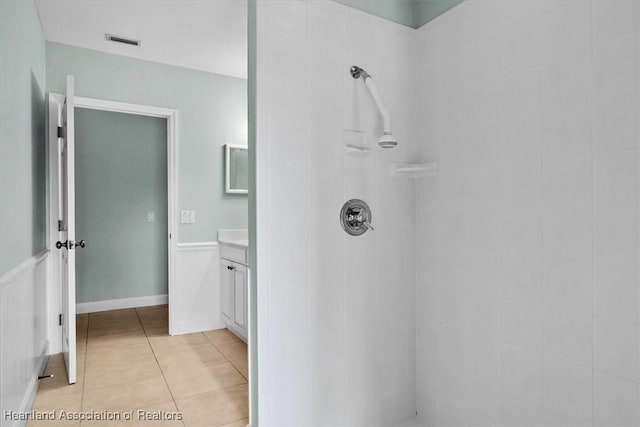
(227, 170)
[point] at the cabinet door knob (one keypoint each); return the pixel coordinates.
(230, 267)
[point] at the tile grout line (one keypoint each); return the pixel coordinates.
(158, 364)
(225, 356)
(145, 330)
(224, 388)
(164, 377)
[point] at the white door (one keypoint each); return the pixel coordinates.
(66, 227)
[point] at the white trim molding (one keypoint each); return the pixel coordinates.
(120, 303)
(21, 269)
(32, 390)
(24, 345)
(194, 246)
(198, 277)
(123, 107)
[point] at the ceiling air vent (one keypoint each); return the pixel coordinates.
(123, 40)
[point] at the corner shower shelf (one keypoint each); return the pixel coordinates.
(355, 149)
(414, 170)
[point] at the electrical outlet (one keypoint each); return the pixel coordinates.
(151, 217)
(188, 217)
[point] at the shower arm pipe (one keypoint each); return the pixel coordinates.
(357, 72)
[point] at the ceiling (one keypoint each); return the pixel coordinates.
(206, 35)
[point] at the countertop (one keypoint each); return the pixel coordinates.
(235, 242)
(234, 237)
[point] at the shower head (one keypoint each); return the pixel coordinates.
(387, 140)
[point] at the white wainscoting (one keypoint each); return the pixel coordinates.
(23, 334)
(194, 304)
(119, 303)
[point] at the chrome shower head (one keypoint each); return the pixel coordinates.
(387, 140)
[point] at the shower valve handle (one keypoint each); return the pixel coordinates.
(355, 217)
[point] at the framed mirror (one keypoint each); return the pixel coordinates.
(236, 169)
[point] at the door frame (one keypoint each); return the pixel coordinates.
(55, 102)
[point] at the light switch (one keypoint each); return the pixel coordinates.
(188, 217)
(151, 217)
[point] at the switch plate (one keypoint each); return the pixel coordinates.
(151, 217)
(188, 217)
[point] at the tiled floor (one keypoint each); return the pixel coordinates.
(127, 361)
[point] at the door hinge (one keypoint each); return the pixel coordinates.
(61, 132)
(59, 319)
(60, 225)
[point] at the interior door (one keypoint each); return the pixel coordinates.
(66, 227)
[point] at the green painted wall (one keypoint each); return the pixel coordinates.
(412, 13)
(121, 176)
(23, 169)
(212, 112)
(427, 10)
(399, 11)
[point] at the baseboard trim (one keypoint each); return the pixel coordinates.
(120, 303)
(235, 331)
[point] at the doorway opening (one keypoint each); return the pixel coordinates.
(121, 210)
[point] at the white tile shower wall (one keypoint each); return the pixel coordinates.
(336, 313)
(534, 123)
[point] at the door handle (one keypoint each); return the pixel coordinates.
(70, 244)
(230, 267)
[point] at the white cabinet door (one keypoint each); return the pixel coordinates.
(240, 297)
(226, 290)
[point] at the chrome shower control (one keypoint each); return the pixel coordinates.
(355, 217)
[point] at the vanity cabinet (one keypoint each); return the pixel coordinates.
(234, 286)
